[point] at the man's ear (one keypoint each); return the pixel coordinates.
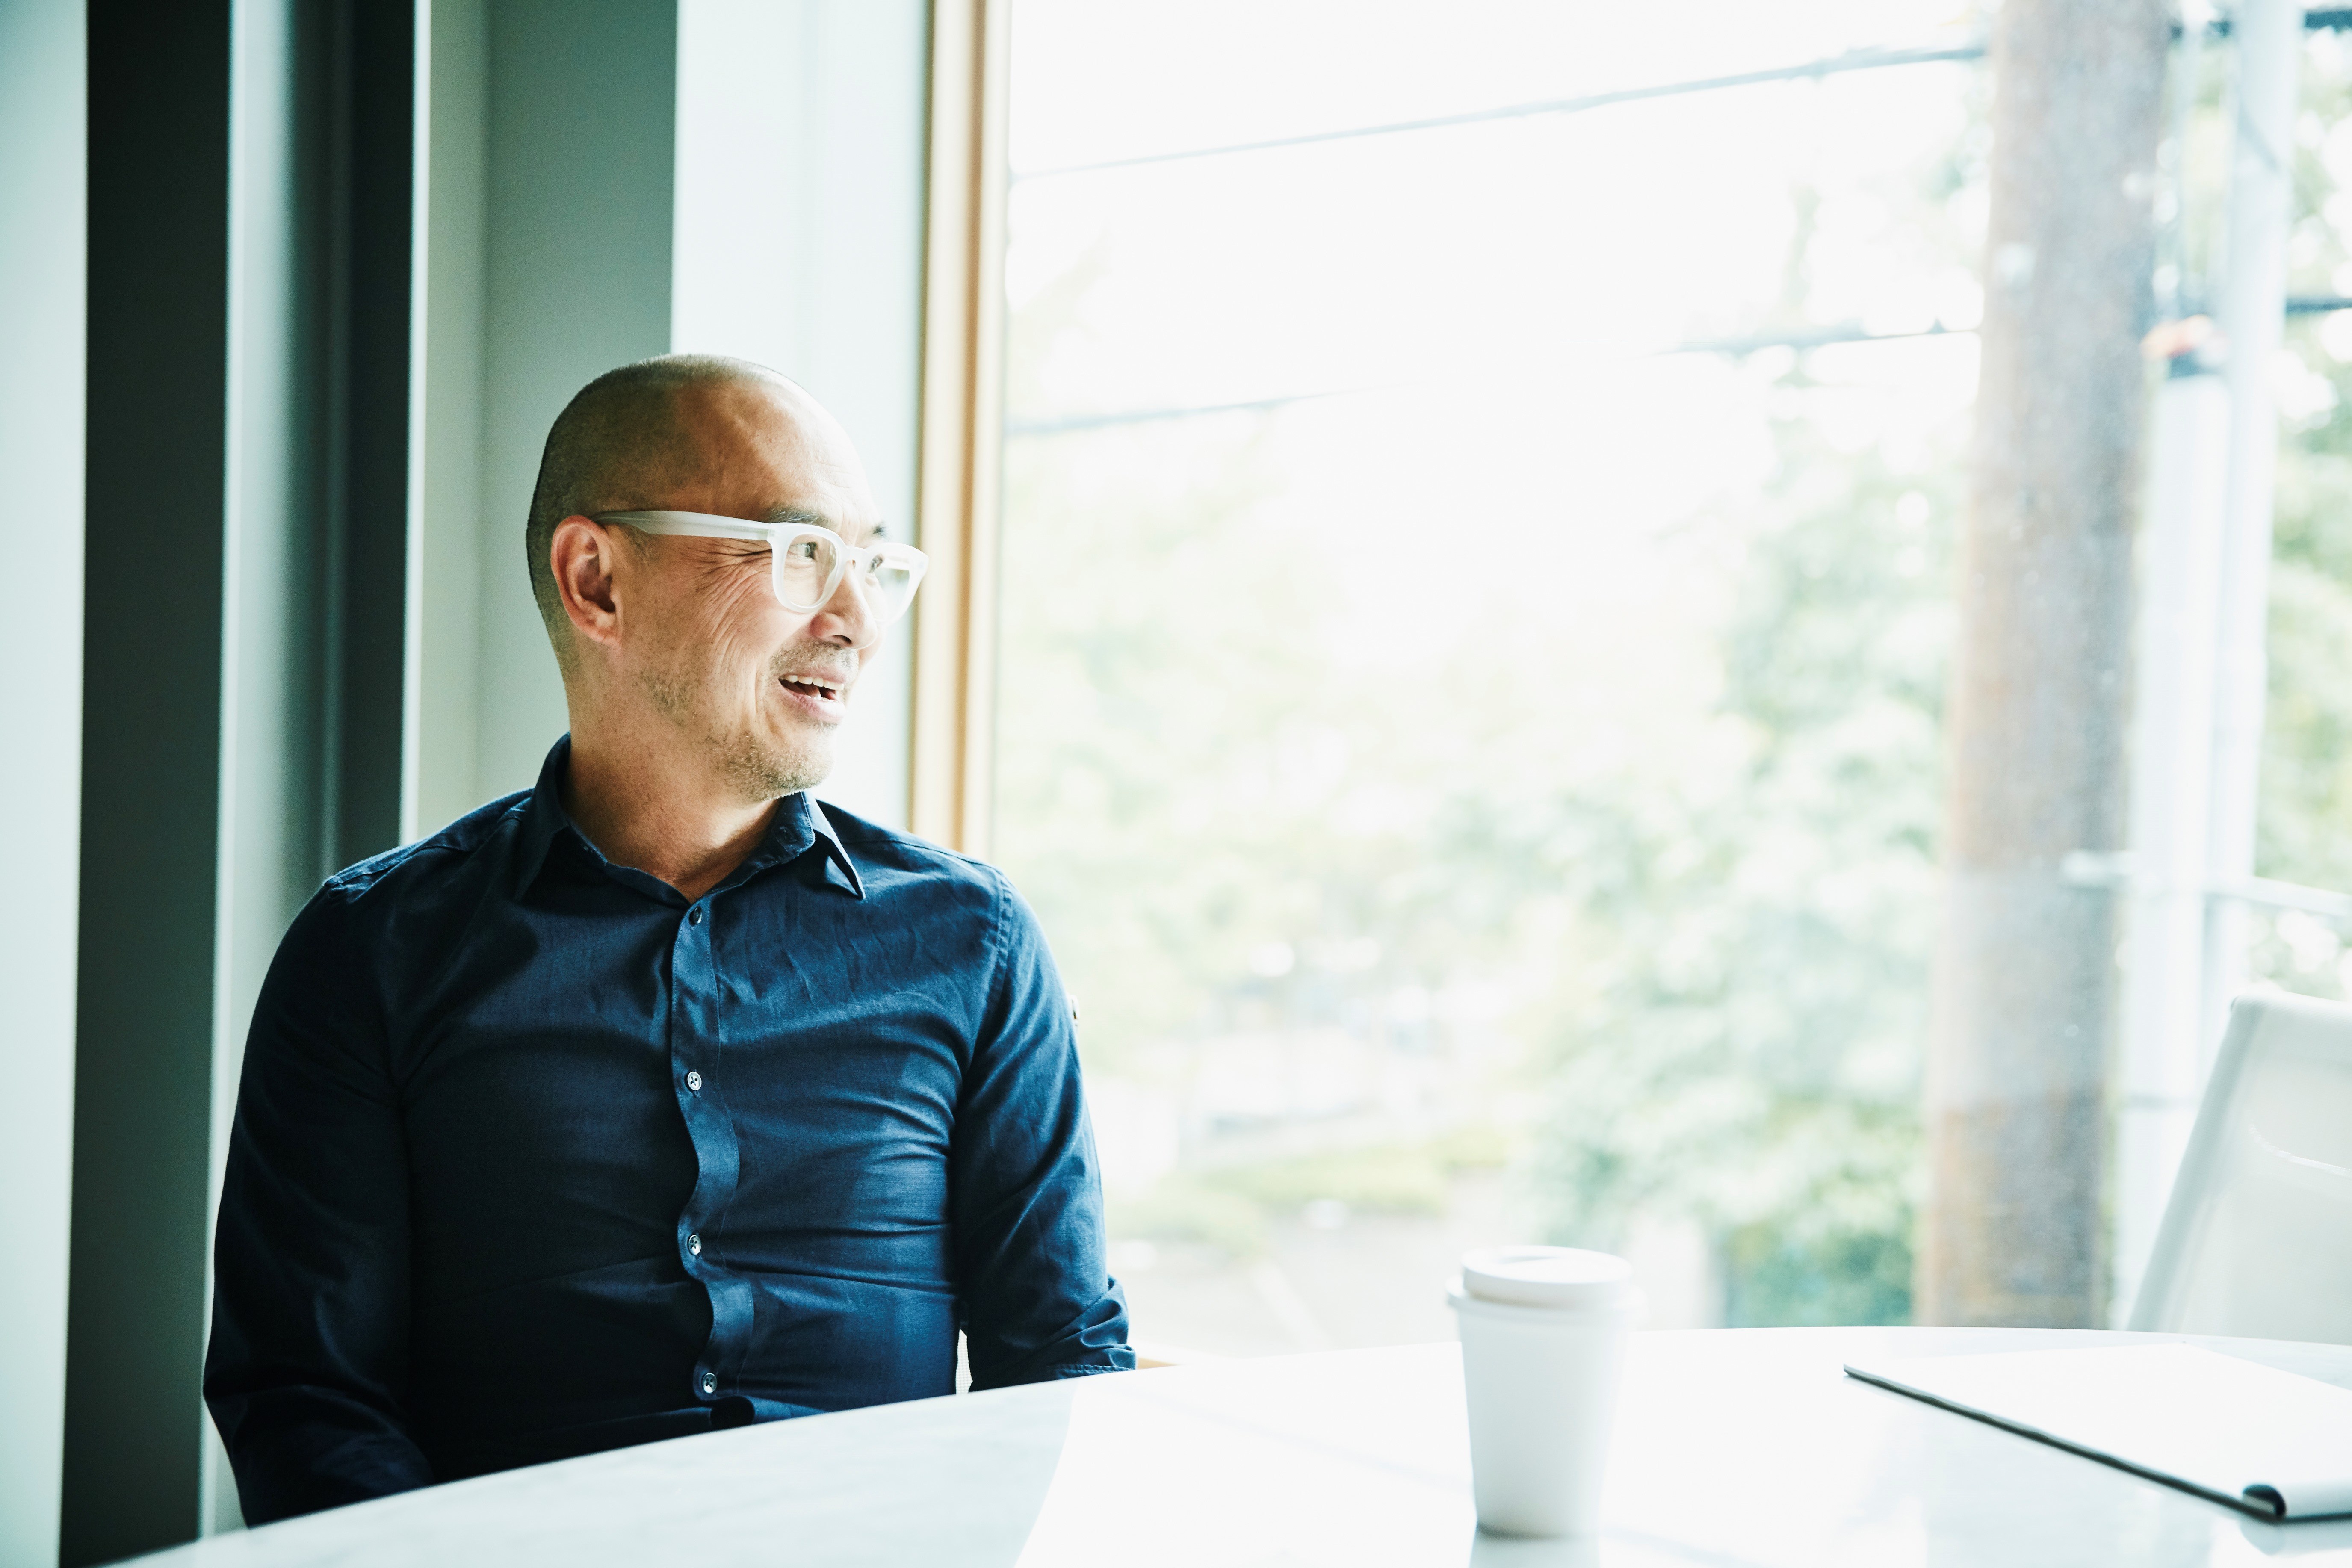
(585, 555)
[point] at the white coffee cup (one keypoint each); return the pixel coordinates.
(1543, 1344)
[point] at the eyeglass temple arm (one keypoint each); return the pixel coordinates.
(694, 525)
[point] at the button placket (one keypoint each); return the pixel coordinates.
(694, 1038)
(692, 964)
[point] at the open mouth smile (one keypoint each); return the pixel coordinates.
(817, 694)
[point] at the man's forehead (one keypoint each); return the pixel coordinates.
(786, 458)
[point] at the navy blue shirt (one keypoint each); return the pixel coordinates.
(533, 1156)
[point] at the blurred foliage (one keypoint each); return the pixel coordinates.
(1707, 919)
(1379, 1181)
(1230, 1207)
(1386, 1179)
(1848, 1276)
(1752, 1059)
(1700, 899)
(2305, 824)
(1181, 1207)
(1728, 931)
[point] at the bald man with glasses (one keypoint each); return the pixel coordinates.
(658, 1098)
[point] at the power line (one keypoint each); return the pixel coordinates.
(1191, 411)
(2331, 19)
(1732, 348)
(1836, 65)
(1739, 347)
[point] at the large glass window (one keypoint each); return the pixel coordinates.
(1482, 536)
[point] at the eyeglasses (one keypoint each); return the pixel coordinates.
(805, 563)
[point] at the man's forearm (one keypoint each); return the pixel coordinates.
(1095, 1342)
(297, 1450)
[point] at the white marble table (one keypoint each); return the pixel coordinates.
(1738, 1449)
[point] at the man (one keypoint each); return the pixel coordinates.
(657, 1098)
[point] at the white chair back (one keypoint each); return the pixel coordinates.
(2257, 1238)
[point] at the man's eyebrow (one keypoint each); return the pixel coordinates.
(803, 517)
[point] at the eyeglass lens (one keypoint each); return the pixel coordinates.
(889, 584)
(807, 568)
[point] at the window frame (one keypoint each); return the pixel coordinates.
(960, 453)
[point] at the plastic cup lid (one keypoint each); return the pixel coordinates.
(1547, 1277)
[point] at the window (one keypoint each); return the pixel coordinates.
(1484, 588)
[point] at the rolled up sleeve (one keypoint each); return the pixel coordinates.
(1026, 1195)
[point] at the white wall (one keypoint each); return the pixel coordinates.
(42, 175)
(798, 243)
(764, 199)
(547, 150)
(440, 779)
(580, 136)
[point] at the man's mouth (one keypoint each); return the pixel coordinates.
(811, 685)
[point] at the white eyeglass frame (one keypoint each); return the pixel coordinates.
(776, 536)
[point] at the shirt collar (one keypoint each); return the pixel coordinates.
(836, 853)
(543, 817)
(799, 824)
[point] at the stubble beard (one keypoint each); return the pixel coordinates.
(760, 769)
(755, 763)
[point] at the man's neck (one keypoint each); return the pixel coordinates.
(642, 804)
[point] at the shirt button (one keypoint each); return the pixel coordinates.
(694, 1081)
(694, 1244)
(709, 1383)
(695, 917)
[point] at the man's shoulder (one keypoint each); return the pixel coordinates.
(913, 881)
(429, 861)
(894, 856)
(935, 880)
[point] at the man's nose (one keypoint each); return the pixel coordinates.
(847, 619)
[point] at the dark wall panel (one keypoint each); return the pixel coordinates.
(159, 101)
(324, 408)
(376, 125)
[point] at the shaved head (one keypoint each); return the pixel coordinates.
(681, 647)
(621, 444)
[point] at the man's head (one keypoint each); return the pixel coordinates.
(681, 642)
